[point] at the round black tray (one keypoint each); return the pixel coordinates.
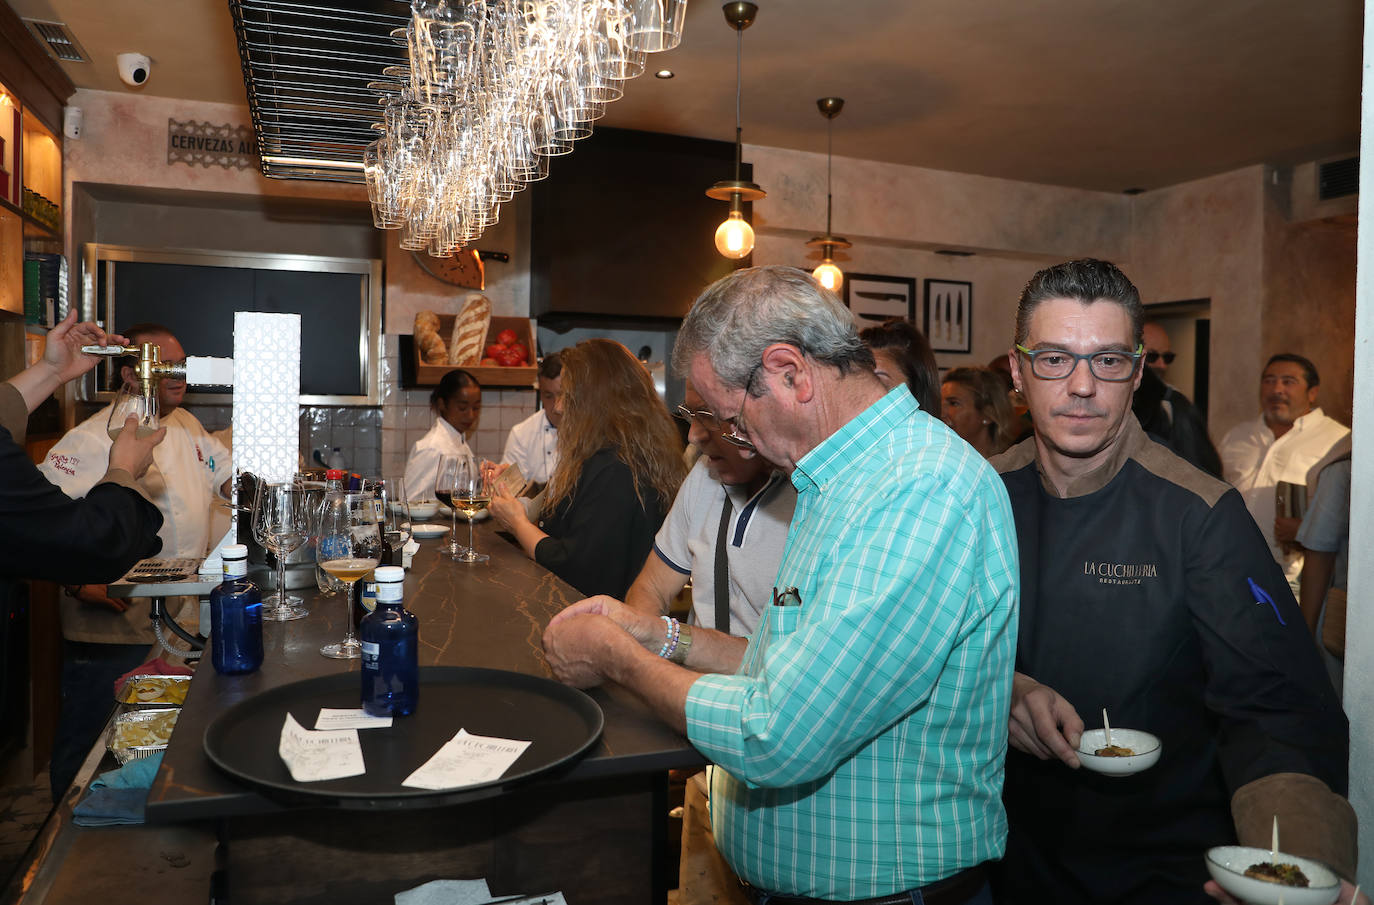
(561, 723)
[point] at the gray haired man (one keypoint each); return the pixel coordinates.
(874, 693)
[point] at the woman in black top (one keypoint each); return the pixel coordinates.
(619, 467)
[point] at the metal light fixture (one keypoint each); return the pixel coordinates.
(827, 274)
(735, 237)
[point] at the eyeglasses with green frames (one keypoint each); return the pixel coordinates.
(1113, 366)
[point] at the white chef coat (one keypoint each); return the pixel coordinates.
(533, 445)
(1255, 462)
(422, 466)
(189, 465)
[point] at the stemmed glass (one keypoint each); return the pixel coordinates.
(131, 401)
(471, 495)
(281, 523)
(446, 484)
(394, 520)
(349, 547)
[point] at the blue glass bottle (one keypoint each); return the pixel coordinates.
(235, 617)
(390, 636)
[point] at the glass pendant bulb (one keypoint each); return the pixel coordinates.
(828, 275)
(735, 237)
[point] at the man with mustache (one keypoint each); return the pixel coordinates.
(1140, 576)
(1291, 438)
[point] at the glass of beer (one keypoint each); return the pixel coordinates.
(131, 401)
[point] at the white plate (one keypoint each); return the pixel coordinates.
(1146, 747)
(425, 531)
(1227, 864)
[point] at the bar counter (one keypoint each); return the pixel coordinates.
(595, 830)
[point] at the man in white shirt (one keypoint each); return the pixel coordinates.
(533, 443)
(730, 506)
(1291, 436)
(105, 637)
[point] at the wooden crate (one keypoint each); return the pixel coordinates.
(519, 376)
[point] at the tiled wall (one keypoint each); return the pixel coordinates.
(375, 441)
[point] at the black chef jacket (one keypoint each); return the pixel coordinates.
(46, 534)
(1136, 597)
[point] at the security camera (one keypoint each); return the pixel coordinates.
(134, 69)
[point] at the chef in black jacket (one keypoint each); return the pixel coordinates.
(44, 533)
(1147, 589)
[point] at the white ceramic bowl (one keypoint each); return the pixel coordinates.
(1147, 749)
(423, 509)
(1227, 864)
(427, 531)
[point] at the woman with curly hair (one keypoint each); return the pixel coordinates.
(619, 467)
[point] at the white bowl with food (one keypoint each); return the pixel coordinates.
(421, 510)
(1131, 751)
(1228, 865)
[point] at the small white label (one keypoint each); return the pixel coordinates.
(235, 568)
(390, 591)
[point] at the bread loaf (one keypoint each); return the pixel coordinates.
(427, 339)
(470, 331)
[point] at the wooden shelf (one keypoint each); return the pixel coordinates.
(519, 376)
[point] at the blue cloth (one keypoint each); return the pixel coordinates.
(118, 796)
(862, 742)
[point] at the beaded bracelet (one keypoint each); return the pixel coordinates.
(673, 630)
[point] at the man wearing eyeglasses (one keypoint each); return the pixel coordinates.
(1147, 590)
(858, 736)
(1165, 413)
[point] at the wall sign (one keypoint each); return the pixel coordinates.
(208, 145)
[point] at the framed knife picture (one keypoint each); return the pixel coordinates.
(949, 315)
(874, 299)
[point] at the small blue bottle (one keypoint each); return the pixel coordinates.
(390, 636)
(235, 617)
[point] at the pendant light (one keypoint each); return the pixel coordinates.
(827, 274)
(735, 237)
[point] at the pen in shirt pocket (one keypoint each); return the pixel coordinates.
(1262, 596)
(786, 597)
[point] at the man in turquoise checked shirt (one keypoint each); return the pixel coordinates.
(859, 734)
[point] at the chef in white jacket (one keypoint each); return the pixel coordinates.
(456, 402)
(105, 637)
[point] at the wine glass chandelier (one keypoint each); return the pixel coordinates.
(493, 89)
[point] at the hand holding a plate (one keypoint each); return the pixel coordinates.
(1042, 723)
(1349, 895)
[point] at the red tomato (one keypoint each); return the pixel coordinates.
(507, 358)
(506, 337)
(489, 362)
(492, 350)
(519, 349)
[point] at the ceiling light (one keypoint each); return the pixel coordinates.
(827, 274)
(735, 237)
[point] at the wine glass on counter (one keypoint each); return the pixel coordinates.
(471, 496)
(446, 482)
(131, 401)
(349, 548)
(394, 516)
(281, 523)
